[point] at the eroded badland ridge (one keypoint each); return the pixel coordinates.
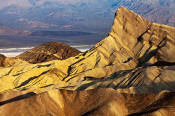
(47, 52)
(130, 72)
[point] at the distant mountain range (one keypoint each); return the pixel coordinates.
(5, 30)
(59, 33)
(89, 15)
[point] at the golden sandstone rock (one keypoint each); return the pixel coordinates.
(130, 72)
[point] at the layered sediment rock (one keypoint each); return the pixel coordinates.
(130, 72)
(47, 52)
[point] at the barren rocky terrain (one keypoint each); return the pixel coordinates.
(128, 73)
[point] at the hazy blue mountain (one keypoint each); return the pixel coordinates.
(89, 15)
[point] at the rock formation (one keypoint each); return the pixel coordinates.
(10, 61)
(47, 52)
(130, 72)
(2, 58)
(157, 11)
(95, 102)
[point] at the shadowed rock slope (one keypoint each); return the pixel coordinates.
(10, 61)
(2, 58)
(47, 52)
(130, 72)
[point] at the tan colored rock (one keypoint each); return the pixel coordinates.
(113, 62)
(130, 72)
(97, 102)
(10, 61)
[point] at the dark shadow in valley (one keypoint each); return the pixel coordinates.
(21, 97)
(144, 112)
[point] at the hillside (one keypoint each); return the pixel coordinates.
(130, 72)
(47, 52)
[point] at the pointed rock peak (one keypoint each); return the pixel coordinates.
(128, 26)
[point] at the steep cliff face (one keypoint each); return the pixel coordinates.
(47, 52)
(136, 62)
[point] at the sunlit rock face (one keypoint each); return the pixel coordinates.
(130, 72)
